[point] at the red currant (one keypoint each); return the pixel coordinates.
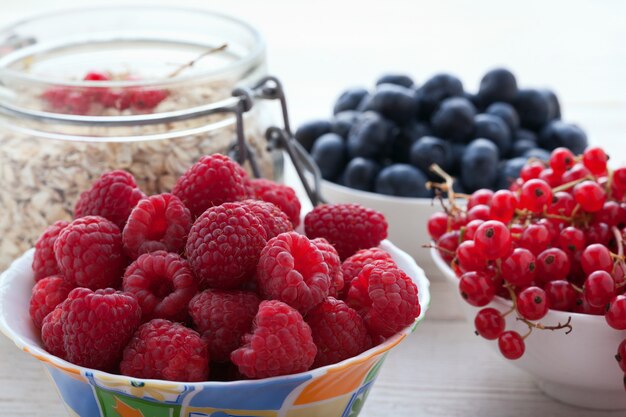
(561, 295)
(598, 233)
(531, 171)
(511, 345)
(96, 76)
(583, 306)
(599, 288)
(437, 225)
(590, 196)
(477, 288)
(145, 100)
(519, 268)
(468, 257)
(619, 179)
(470, 229)
(482, 196)
(572, 240)
(503, 205)
(554, 179)
(535, 238)
(562, 204)
(577, 172)
(447, 245)
(532, 303)
(561, 160)
(616, 313)
(552, 264)
(535, 196)
(612, 213)
(478, 212)
(596, 257)
(489, 323)
(595, 160)
(493, 240)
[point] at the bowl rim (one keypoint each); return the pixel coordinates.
(449, 275)
(42, 355)
(377, 196)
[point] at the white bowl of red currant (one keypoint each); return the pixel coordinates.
(542, 270)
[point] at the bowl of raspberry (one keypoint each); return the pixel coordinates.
(378, 146)
(541, 269)
(207, 301)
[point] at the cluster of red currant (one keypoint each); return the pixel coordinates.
(88, 100)
(554, 240)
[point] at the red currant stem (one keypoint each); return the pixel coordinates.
(577, 288)
(530, 330)
(575, 211)
(430, 245)
(619, 241)
(516, 235)
(196, 59)
(568, 185)
(448, 187)
(512, 309)
(558, 217)
(609, 185)
(540, 326)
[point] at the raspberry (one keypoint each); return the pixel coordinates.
(292, 269)
(89, 253)
(273, 220)
(159, 222)
(97, 326)
(46, 295)
(112, 196)
(385, 297)
(224, 245)
(338, 332)
(353, 265)
(44, 262)
(161, 349)
(213, 180)
(283, 196)
(279, 344)
(348, 227)
(52, 333)
(147, 99)
(163, 285)
(223, 317)
(331, 257)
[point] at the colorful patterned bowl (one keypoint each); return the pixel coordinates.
(334, 390)
(577, 368)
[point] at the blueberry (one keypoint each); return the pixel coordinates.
(475, 100)
(534, 109)
(559, 133)
(350, 99)
(506, 112)
(369, 136)
(434, 91)
(492, 127)
(525, 134)
(430, 150)
(402, 180)
(498, 85)
(361, 174)
(457, 150)
(520, 147)
(308, 132)
(329, 153)
(454, 119)
(397, 79)
(405, 138)
(343, 121)
(479, 167)
(508, 171)
(537, 153)
(394, 102)
(555, 107)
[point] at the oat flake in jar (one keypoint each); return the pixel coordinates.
(134, 88)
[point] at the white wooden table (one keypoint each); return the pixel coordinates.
(318, 48)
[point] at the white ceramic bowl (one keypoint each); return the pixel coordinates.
(407, 218)
(331, 391)
(577, 368)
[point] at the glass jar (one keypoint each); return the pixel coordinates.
(134, 88)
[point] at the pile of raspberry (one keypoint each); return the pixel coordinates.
(211, 281)
(554, 240)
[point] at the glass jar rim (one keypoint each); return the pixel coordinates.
(249, 58)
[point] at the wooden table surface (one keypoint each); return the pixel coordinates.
(317, 48)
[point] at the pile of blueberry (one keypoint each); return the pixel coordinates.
(385, 140)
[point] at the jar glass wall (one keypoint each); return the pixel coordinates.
(87, 91)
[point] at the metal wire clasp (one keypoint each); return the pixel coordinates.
(270, 88)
